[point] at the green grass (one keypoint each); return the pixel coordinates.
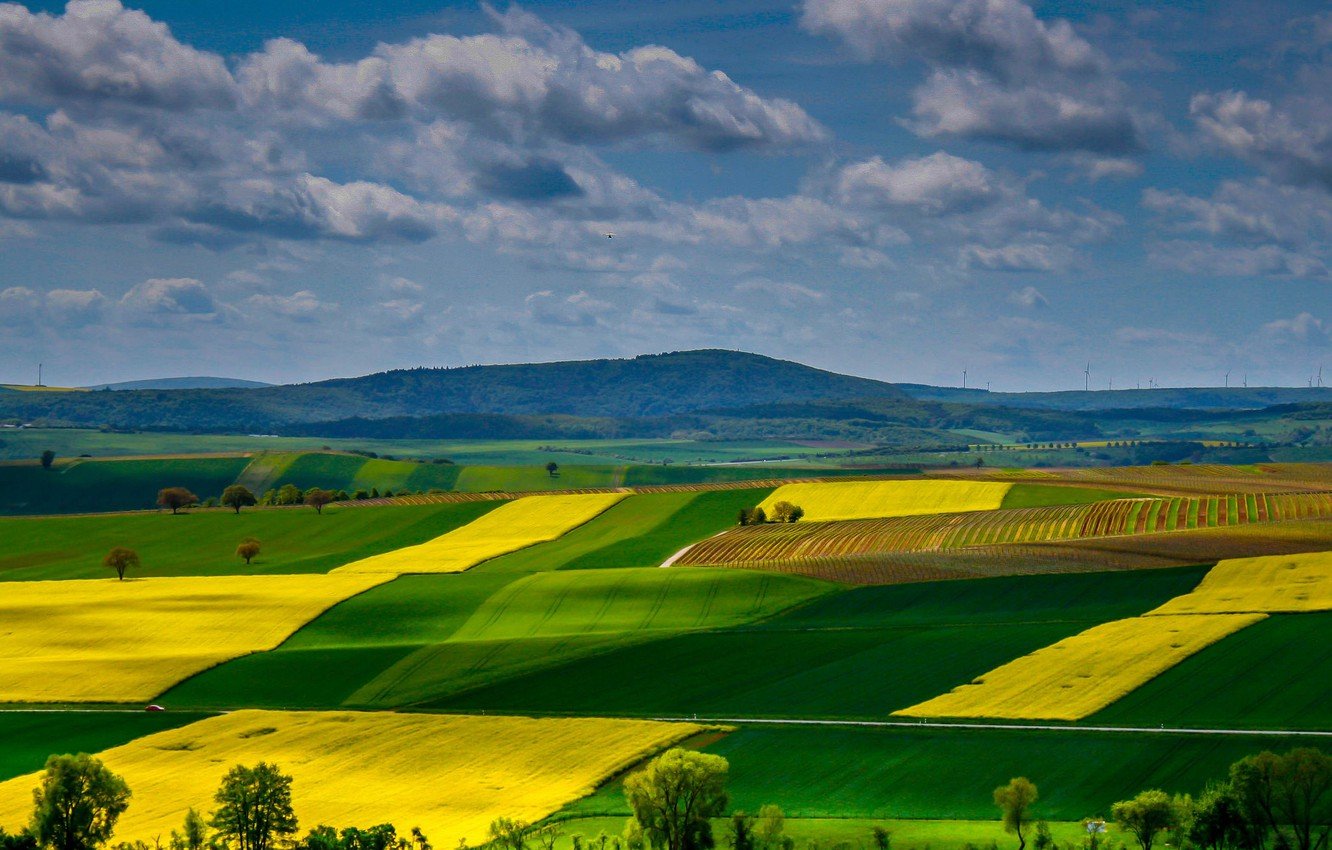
(857, 833)
(295, 540)
(1272, 675)
(481, 479)
(320, 469)
(858, 654)
(639, 476)
(952, 773)
(699, 516)
(121, 485)
(422, 636)
(624, 522)
(1041, 495)
(30, 736)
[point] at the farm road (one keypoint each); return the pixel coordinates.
(918, 724)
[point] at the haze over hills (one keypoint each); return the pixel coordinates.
(202, 382)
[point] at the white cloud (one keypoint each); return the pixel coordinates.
(170, 297)
(1292, 141)
(998, 71)
(299, 306)
(1028, 297)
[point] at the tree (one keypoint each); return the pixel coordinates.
(248, 549)
(48, 458)
(1219, 822)
(288, 494)
(254, 807)
(740, 832)
(771, 825)
(317, 498)
(1290, 795)
(1146, 815)
(238, 496)
(786, 512)
(176, 498)
(21, 840)
(77, 804)
(1015, 801)
(673, 798)
(883, 838)
(509, 834)
(552, 468)
(121, 559)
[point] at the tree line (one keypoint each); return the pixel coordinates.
(1267, 801)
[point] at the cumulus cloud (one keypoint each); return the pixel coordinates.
(935, 184)
(1302, 328)
(997, 71)
(1292, 141)
(1028, 297)
(100, 54)
(182, 297)
(579, 310)
(1015, 257)
(300, 306)
(66, 308)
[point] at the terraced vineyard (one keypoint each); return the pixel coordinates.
(939, 546)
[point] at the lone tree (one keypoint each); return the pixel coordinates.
(509, 834)
(121, 559)
(254, 807)
(77, 804)
(176, 498)
(1015, 801)
(48, 458)
(238, 496)
(248, 549)
(552, 468)
(674, 797)
(1146, 815)
(317, 498)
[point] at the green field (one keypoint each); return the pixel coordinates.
(859, 654)
(294, 540)
(1272, 675)
(482, 626)
(951, 773)
(128, 485)
(30, 736)
(1043, 495)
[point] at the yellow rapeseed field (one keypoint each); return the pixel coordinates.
(118, 641)
(871, 499)
(1080, 675)
(508, 528)
(449, 775)
(1272, 584)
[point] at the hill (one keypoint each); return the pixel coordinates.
(201, 382)
(645, 386)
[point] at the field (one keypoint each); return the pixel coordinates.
(294, 540)
(951, 773)
(847, 550)
(29, 735)
(79, 486)
(123, 641)
(1290, 584)
(859, 654)
(866, 499)
(510, 527)
(1083, 674)
(350, 768)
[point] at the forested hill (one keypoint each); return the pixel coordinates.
(645, 386)
(1190, 398)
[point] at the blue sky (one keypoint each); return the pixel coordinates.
(900, 189)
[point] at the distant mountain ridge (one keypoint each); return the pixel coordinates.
(640, 387)
(201, 382)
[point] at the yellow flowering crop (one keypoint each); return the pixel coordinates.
(449, 775)
(870, 499)
(118, 641)
(1273, 584)
(517, 525)
(1080, 675)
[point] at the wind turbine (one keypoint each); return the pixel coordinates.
(1227, 379)
(964, 379)
(1086, 374)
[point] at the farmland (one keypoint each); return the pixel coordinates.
(1080, 675)
(469, 613)
(839, 550)
(114, 641)
(513, 526)
(491, 766)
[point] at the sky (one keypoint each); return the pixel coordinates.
(899, 189)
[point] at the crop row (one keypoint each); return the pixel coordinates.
(1183, 479)
(858, 540)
